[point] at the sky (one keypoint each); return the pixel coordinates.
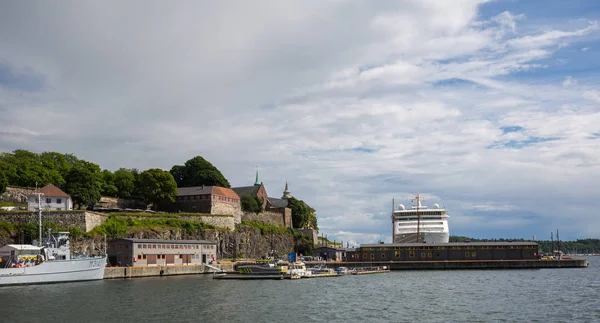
(489, 108)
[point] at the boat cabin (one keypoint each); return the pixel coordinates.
(20, 255)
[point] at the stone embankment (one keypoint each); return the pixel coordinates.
(147, 271)
(84, 220)
(16, 194)
(270, 217)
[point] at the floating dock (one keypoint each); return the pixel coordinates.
(246, 276)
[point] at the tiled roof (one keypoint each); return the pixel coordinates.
(246, 190)
(206, 190)
(277, 202)
(224, 191)
(196, 190)
(53, 191)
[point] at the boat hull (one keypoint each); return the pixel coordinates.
(55, 271)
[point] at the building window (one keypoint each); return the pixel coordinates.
(144, 257)
(383, 256)
(48, 200)
(139, 257)
(411, 254)
(126, 246)
(139, 245)
(58, 201)
(153, 246)
(144, 246)
(58, 209)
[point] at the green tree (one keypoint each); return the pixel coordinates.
(196, 172)
(251, 203)
(84, 184)
(157, 186)
(8, 169)
(303, 216)
(3, 183)
(57, 165)
(30, 170)
(124, 182)
(108, 184)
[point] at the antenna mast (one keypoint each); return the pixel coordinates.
(418, 200)
(393, 224)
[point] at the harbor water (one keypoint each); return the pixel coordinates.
(534, 295)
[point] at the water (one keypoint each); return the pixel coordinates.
(542, 295)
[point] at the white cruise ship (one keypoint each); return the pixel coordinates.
(420, 224)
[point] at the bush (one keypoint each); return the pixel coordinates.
(119, 226)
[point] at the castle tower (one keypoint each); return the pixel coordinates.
(286, 192)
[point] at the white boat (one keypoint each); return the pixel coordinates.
(23, 264)
(297, 270)
(420, 224)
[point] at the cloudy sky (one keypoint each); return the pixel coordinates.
(491, 108)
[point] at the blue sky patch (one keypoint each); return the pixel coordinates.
(520, 143)
(595, 135)
(10, 79)
(509, 129)
(361, 150)
(452, 82)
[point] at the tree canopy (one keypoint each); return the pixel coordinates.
(124, 182)
(251, 203)
(196, 172)
(84, 184)
(303, 216)
(157, 186)
(3, 183)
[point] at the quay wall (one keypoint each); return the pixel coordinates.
(467, 264)
(150, 271)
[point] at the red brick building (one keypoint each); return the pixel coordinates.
(206, 199)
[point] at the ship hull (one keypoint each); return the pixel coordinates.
(55, 271)
(426, 237)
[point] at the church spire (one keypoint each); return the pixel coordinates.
(256, 182)
(286, 192)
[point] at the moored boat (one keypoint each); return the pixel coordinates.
(52, 262)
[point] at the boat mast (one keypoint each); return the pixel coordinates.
(39, 195)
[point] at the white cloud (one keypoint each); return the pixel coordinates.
(355, 103)
(569, 81)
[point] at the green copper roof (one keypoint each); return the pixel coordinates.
(256, 182)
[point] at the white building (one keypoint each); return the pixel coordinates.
(53, 199)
